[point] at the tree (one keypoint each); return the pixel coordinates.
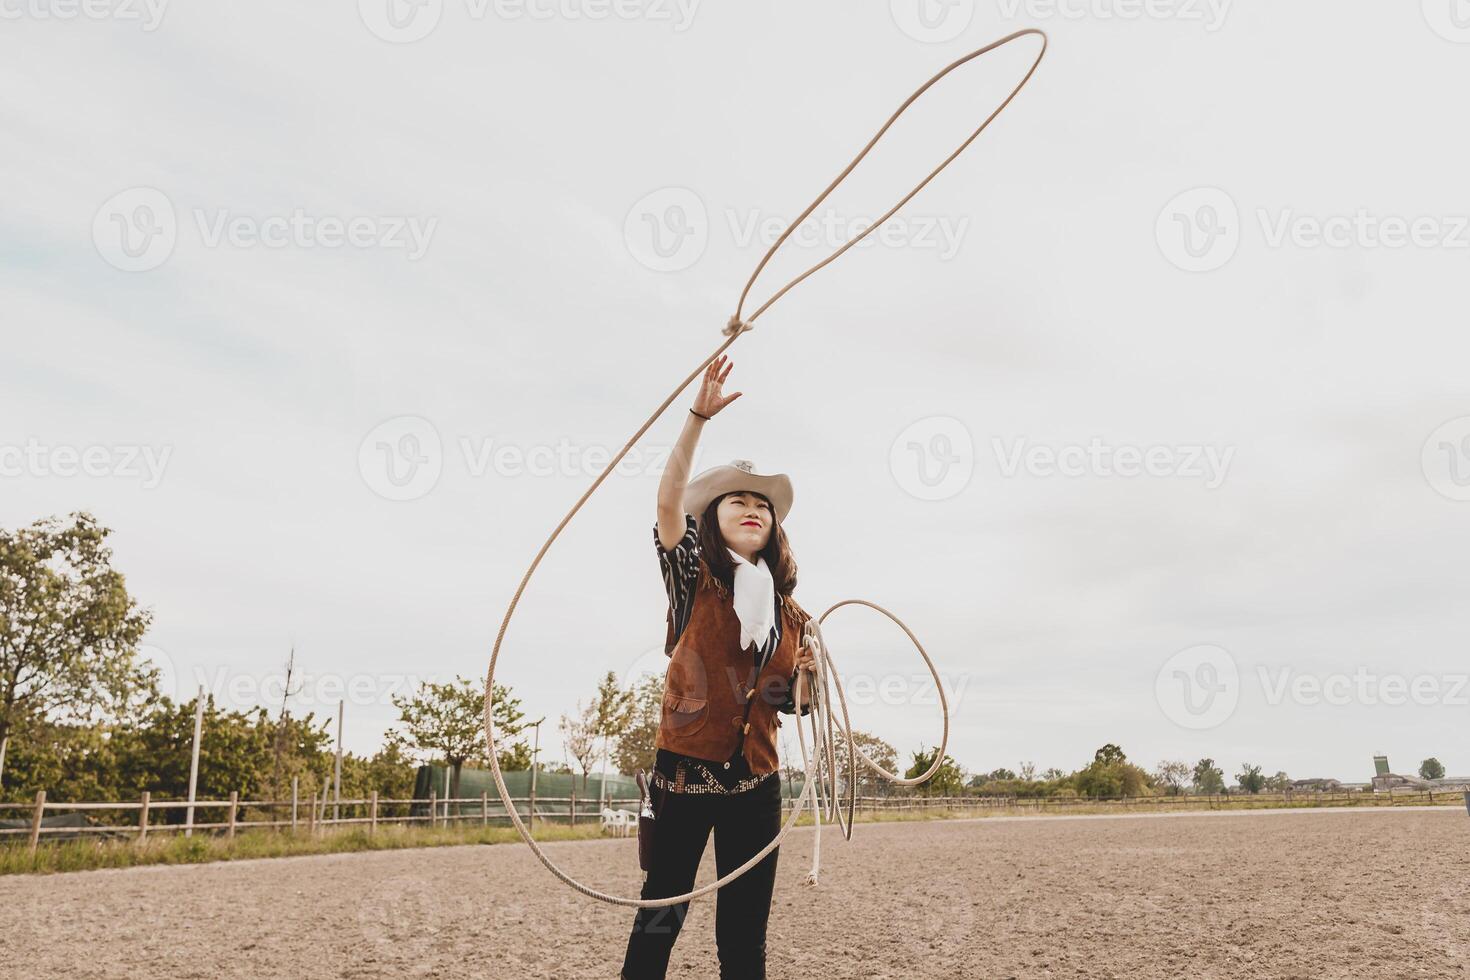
(947, 779)
(1111, 774)
(1208, 778)
(1431, 769)
(115, 761)
(579, 735)
(1028, 771)
(1172, 774)
(1250, 778)
(874, 748)
(449, 719)
(998, 775)
(635, 749)
(1278, 783)
(69, 631)
(1053, 774)
(612, 712)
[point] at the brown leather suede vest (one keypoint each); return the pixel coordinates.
(709, 682)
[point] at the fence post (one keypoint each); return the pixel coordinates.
(234, 808)
(36, 819)
(433, 809)
(143, 818)
(484, 808)
(325, 787)
(294, 799)
(373, 815)
(574, 808)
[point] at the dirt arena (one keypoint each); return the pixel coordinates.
(1302, 894)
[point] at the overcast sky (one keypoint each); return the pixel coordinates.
(1149, 416)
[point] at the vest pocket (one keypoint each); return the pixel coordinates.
(683, 716)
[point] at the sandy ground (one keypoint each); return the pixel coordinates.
(1301, 894)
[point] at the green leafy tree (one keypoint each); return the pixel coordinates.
(613, 711)
(947, 779)
(115, 761)
(448, 721)
(69, 630)
(635, 746)
(389, 771)
(1431, 768)
(1208, 778)
(1111, 774)
(1250, 778)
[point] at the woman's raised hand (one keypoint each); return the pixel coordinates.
(708, 400)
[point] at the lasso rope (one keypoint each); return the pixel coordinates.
(822, 760)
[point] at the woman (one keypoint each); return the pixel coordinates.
(734, 642)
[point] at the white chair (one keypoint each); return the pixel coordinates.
(620, 821)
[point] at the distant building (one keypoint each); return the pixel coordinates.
(1385, 780)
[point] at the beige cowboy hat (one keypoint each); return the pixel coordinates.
(739, 474)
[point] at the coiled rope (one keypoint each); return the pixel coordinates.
(821, 763)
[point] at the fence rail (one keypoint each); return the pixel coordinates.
(312, 814)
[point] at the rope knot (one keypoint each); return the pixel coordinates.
(736, 326)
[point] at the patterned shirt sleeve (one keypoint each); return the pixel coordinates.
(680, 567)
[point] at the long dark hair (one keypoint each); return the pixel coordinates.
(777, 551)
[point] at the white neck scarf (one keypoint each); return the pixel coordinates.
(755, 600)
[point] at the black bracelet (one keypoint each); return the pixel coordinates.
(698, 416)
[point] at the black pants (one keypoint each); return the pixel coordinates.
(743, 823)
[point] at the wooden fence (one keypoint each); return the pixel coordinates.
(311, 816)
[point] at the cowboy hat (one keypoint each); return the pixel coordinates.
(740, 474)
